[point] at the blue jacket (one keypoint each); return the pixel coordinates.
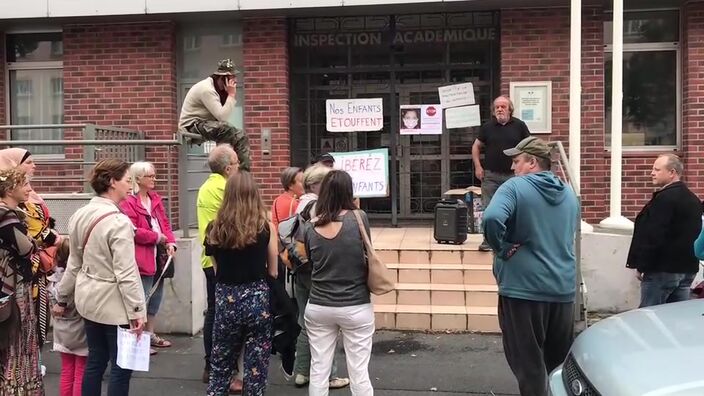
(531, 224)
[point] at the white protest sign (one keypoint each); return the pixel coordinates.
(354, 115)
(462, 117)
(456, 95)
(420, 120)
(132, 353)
(369, 170)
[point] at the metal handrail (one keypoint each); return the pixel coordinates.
(563, 162)
(92, 142)
(89, 141)
(44, 126)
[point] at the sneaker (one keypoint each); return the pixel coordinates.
(300, 381)
(484, 247)
(337, 383)
(287, 374)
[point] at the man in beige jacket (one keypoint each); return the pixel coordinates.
(102, 280)
(208, 106)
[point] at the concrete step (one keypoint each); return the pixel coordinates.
(436, 317)
(440, 294)
(438, 288)
(468, 274)
(425, 256)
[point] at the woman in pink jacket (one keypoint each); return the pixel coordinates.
(146, 210)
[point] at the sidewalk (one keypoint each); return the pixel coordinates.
(402, 363)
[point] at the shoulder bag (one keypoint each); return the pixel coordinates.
(379, 278)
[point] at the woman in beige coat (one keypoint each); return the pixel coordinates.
(103, 281)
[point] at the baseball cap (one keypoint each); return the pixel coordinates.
(325, 157)
(530, 145)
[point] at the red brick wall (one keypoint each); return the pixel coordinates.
(535, 46)
(124, 75)
(595, 167)
(3, 105)
(693, 95)
(266, 99)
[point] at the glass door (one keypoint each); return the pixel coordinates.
(423, 161)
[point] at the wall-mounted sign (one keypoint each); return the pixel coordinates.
(369, 170)
(462, 117)
(354, 115)
(401, 37)
(420, 120)
(533, 104)
(456, 95)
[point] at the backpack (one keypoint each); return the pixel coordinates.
(291, 249)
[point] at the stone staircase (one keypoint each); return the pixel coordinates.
(439, 287)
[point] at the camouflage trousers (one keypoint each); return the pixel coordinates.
(222, 132)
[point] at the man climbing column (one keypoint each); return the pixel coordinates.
(208, 106)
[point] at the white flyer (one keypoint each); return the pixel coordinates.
(132, 354)
(456, 95)
(420, 120)
(462, 117)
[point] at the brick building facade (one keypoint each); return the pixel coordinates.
(129, 74)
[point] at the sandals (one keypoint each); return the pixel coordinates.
(159, 342)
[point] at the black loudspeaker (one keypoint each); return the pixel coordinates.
(450, 221)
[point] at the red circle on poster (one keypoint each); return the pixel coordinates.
(430, 111)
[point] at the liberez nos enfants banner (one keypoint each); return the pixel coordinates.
(369, 170)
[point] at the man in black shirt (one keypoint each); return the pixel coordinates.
(501, 133)
(662, 248)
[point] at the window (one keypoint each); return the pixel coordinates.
(231, 40)
(57, 86)
(651, 79)
(191, 43)
(36, 87)
(23, 88)
(203, 45)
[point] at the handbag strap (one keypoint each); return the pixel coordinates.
(290, 207)
(92, 226)
(363, 231)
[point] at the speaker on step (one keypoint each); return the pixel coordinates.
(450, 221)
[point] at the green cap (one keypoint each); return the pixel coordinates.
(226, 68)
(530, 145)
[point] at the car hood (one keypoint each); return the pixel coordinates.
(649, 351)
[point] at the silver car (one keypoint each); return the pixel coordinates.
(654, 351)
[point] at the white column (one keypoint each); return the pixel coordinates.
(615, 220)
(575, 138)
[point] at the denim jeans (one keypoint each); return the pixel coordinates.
(102, 347)
(664, 287)
(209, 315)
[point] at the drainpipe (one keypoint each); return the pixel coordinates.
(615, 219)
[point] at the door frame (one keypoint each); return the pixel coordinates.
(402, 147)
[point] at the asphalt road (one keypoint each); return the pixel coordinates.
(402, 363)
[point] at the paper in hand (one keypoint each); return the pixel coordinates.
(132, 354)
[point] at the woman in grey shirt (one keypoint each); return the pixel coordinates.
(339, 297)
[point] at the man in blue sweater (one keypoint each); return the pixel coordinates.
(531, 224)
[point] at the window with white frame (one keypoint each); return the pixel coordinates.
(35, 74)
(651, 79)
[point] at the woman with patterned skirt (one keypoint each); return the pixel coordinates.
(20, 373)
(40, 228)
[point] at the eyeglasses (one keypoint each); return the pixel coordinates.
(150, 176)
